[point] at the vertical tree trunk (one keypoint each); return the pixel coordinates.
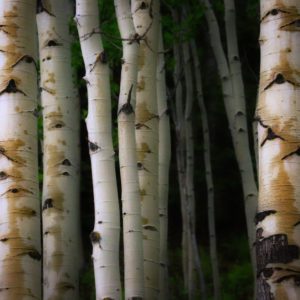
(145, 17)
(234, 101)
(60, 204)
(163, 167)
(208, 175)
(132, 226)
(20, 244)
(278, 230)
(105, 236)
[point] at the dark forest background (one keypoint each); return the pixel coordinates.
(235, 267)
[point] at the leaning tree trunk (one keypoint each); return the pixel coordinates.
(164, 156)
(60, 204)
(105, 236)
(208, 175)
(20, 243)
(278, 230)
(145, 17)
(234, 101)
(131, 200)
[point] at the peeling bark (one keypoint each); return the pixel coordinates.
(278, 241)
(20, 244)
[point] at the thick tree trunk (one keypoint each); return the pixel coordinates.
(163, 167)
(105, 236)
(208, 175)
(131, 199)
(20, 243)
(278, 230)
(234, 100)
(145, 17)
(60, 204)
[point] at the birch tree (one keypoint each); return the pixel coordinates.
(233, 96)
(20, 243)
(60, 201)
(105, 236)
(145, 18)
(278, 231)
(163, 166)
(132, 226)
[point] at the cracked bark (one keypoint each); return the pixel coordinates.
(278, 239)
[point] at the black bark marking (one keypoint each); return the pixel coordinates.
(135, 38)
(140, 125)
(273, 12)
(3, 175)
(279, 79)
(65, 174)
(3, 152)
(58, 125)
(268, 272)
(53, 43)
(27, 59)
(93, 146)
(141, 167)
(34, 254)
(295, 277)
(259, 120)
(66, 162)
(259, 233)
(150, 227)
(102, 58)
(295, 23)
(48, 204)
(263, 290)
(41, 8)
(4, 240)
(296, 224)
(12, 88)
(127, 108)
(262, 215)
(274, 249)
(143, 5)
(271, 135)
(297, 152)
(95, 237)
(65, 286)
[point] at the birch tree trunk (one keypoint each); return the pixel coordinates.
(105, 236)
(20, 244)
(163, 167)
(234, 100)
(145, 17)
(60, 204)
(208, 174)
(278, 230)
(131, 199)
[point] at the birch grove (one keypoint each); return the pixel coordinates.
(105, 235)
(60, 203)
(277, 221)
(20, 245)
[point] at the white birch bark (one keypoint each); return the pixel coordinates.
(105, 236)
(20, 243)
(278, 230)
(131, 199)
(234, 100)
(208, 174)
(163, 166)
(146, 19)
(60, 200)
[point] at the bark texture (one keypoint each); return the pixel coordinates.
(20, 244)
(277, 220)
(60, 200)
(131, 199)
(145, 17)
(105, 236)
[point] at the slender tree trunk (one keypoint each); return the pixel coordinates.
(234, 101)
(163, 167)
(61, 155)
(132, 226)
(20, 244)
(278, 230)
(208, 175)
(105, 236)
(145, 17)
